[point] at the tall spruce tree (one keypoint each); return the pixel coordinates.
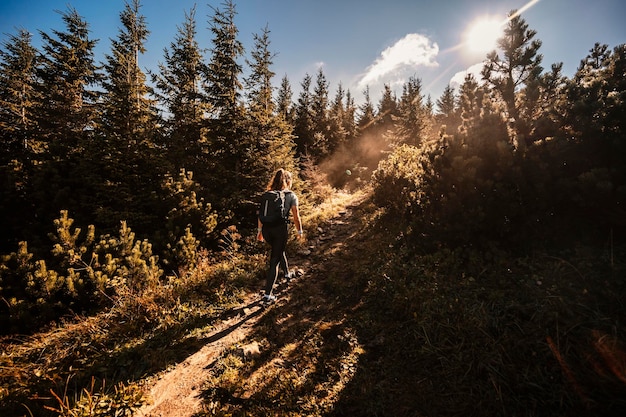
(320, 119)
(303, 118)
(367, 117)
(284, 103)
(129, 165)
(179, 86)
(68, 76)
(223, 74)
(268, 135)
(349, 119)
(411, 121)
(18, 60)
(224, 163)
(65, 112)
(519, 67)
(128, 113)
(447, 110)
(387, 109)
(337, 134)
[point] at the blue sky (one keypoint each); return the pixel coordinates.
(357, 42)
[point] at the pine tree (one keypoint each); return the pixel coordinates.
(320, 119)
(66, 73)
(268, 135)
(259, 82)
(224, 169)
(179, 83)
(520, 67)
(367, 116)
(303, 118)
(548, 111)
(224, 70)
(411, 120)
(349, 119)
(18, 61)
(596, 119)
(337, 134)
(128, 113)
(481, 121)
(387, 109)
(18, 148)
(65, 112)
(448, 111)
(129, 165)
(284, 104)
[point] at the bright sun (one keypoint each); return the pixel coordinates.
(483, 34)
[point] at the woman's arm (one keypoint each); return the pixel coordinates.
(296, 219)
(259, 233)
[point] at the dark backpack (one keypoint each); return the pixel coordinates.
(272, 208)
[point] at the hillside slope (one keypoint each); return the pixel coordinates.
(375, 326)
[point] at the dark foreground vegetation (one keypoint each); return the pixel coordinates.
(484, 275)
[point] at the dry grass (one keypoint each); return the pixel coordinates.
(378, 329)
(375, 328)
(87, 358)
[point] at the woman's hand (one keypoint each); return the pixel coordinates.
(259, 236)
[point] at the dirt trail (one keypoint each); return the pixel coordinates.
(177, 392)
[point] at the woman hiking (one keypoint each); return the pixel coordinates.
(273, 221)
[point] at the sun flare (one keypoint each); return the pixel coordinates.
(483, 34)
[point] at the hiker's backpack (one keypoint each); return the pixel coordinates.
(272, 208)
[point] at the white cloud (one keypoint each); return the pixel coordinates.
(400, 60)
(458, 78)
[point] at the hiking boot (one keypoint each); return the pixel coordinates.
(268, 299)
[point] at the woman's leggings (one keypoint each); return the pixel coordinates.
(276, 236)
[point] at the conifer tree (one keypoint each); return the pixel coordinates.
(548, 110)
(18, 61)
(319, 113)
(224, 70)
(268, 135)
(18, 148)
(67, 78)
(179, 83)
(367, 116)
(65, 113)
(129, 164)
(447, 113)
(349, 119)
(519, 67)
(411, 120)
(387, 109)
(224, 163)
(259, 88)
(337, 134)
(303, 118)
(128, 113)
(284, 104)
(595, 117)
(481, 122)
